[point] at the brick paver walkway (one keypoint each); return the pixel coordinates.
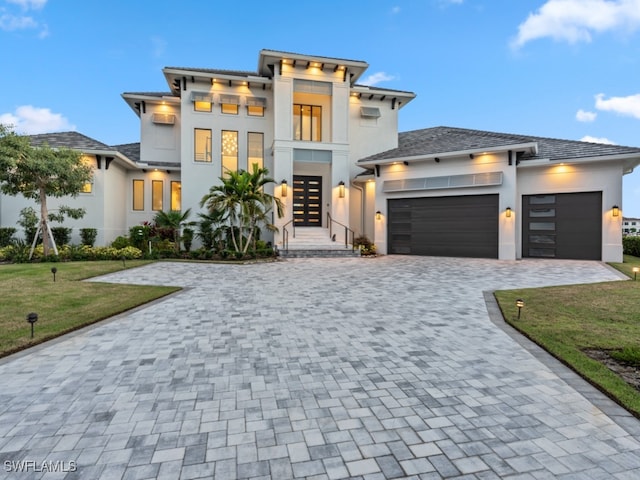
(321, 369)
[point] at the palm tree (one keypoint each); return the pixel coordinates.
(242, 202)
(173, 220)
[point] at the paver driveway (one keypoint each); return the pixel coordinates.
(370, 368)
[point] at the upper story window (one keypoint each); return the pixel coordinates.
(307, 122)
(202, 145)
(256, 106)
(255, 142)
(202, 101)
(229, 104)
(229, 143)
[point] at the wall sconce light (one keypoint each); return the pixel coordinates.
(341, 189)
(615, 211)
(519, 304)
(508, 212)
(635, 273)
(283, 188)
(471, 156)
(378, 215)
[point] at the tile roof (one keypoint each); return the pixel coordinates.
(151, 94)
(129, 150)
(74, 140)
(441, 140)
(238, 73)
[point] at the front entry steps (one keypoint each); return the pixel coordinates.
(313, 242)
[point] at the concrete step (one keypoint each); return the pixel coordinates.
(316, 253)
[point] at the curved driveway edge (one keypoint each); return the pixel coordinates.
(313, 368)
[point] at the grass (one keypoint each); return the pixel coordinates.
(568, 319)
(66, 304)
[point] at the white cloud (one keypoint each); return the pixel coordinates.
(575, 21)
(29, 120)
(629, 106)
(12, 22)
(583, 116)
(376, 78)
(29, 4)
(589, 138)
(395, 10)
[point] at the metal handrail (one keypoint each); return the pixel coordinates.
(347, 230)
(285, 234)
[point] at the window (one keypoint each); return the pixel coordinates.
(256, 106)
(202, 101)
(176, 196)
(202, 145)
(87, 187)
(229, 143)
(229, 104)
(307, 122)
(255, 155)
(156, 195)
(138, 194)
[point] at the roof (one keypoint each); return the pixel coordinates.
(130, 150)
(446, 140)
(216, 71)
(74, 140)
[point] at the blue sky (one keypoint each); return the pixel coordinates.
(556, 68)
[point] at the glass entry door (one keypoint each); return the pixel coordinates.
(307, 201)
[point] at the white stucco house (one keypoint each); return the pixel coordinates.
(334, 148)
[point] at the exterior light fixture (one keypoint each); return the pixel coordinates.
(283, 188)
(437, 159)
(54, 270)
(635, 273)
(32, 318)
(615, 211)
(471, 156)
(341, 189)
(519, 304)
(378, 215)
(508, 212)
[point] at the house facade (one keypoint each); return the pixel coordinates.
(333, 147)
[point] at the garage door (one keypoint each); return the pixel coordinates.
(564, 225)
(465, 226)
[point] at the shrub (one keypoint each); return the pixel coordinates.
(88, 236)
(631, 245)
(6, 236)
(366, 246)
(187, 238)
(61, 235)
(29, 222)
(120, 242)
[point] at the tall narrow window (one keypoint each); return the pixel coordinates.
(138, 194)
(176, 196)
(202, 145)
(229, 143)
(307, 122)
(156, 195)
(87, 187)
(255, 143)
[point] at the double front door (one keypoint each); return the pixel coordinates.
(307, 201)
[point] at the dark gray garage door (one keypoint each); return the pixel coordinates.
(464, 226)
(564, 225)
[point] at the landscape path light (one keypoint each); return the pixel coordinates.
(54, 270)
(635, 273)
(32, 318)
(519, 304)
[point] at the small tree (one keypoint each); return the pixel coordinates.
(242, 202)
(41, 172)
(174, 220)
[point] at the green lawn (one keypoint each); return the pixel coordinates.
(66, 304)
(565, 320)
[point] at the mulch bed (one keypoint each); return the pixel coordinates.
(629, 373)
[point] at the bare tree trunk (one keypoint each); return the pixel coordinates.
(44, 214)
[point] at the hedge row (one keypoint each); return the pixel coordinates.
(20, 253)
(631, 245)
